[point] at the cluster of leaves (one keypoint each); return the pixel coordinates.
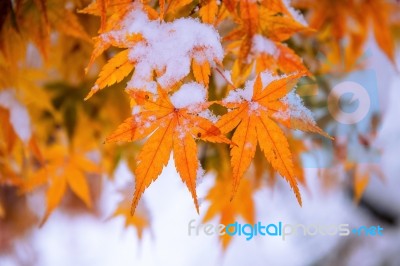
(173, 125)
(344, 27)
(195, 73)
(47, 132)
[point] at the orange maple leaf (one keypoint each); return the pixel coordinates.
(172, 128)
(140, 221)
(271, 20)
(253, 113)
(61, 170)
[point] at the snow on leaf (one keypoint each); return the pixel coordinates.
(189, 94)
(296, 116)
(263, 45)
(275, 57)
(164, 51)
(294, 13)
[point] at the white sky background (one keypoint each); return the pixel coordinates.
(85, 240)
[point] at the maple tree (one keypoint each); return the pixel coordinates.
(87, 85)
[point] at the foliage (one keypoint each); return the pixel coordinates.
(200, 78)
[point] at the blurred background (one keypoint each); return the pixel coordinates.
(45, 47)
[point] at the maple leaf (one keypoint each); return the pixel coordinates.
(297, 147)
(201, 72)
(15, 145)
(101, 7)
(208, 10)
(141, 219)
(116, 69)
(219, 196)
(34, 20)
(250, 23)
(261, 166)
(379, 13)
(140, 222)
(275, 57)
(362, 173)
(272, 21)
(59, 172)
(253, 111)
(174, 124)
(243, 205)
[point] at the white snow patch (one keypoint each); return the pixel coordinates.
(255, 108)
(263, 45)
(136, 110)
(267, 77)
(210, 116)
(189, 94)
(239, 95)
(181, 131)
(138, 119)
